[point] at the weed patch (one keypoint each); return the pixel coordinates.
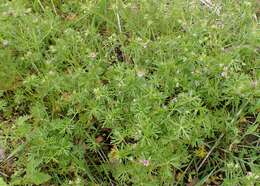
(129, 92)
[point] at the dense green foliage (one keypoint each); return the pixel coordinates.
(136, 92)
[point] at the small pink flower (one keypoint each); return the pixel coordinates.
(146, 163)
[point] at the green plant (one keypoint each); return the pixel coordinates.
(129, 92)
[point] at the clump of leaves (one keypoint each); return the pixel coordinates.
(129, 92)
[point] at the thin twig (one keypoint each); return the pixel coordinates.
(211, 150)
(118, 18)
(209, 4)
(183, 174)
(39, 1)
(3, 174)
(221, 136)
(206, 3)
(54, 9)
(118, 22)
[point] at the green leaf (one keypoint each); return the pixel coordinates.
(252, 129)
(3, 104)
(39, 178)
(31, 167)
(23, 127)
(2, 182)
